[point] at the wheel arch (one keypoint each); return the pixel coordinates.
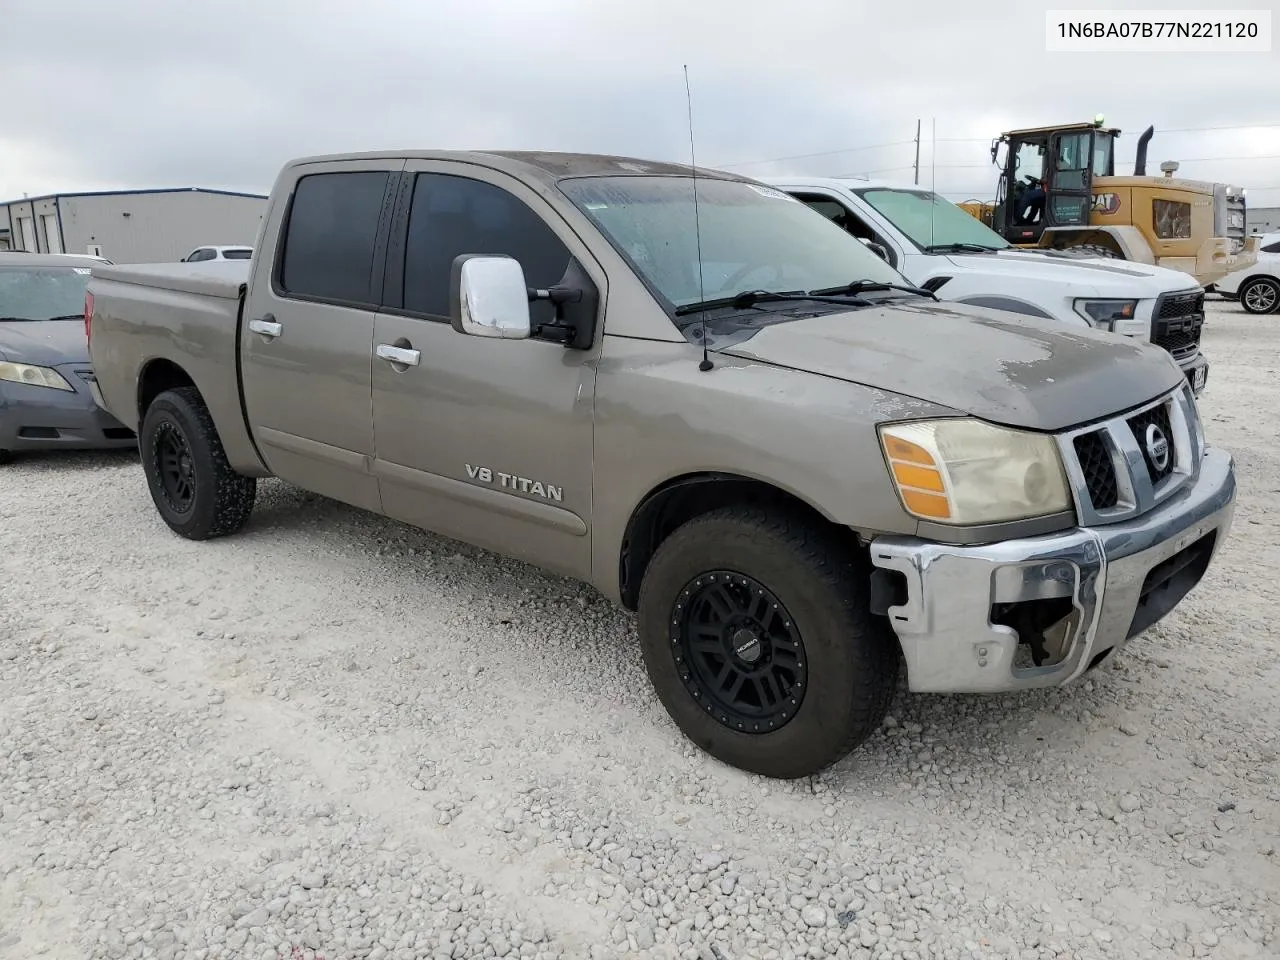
(680, 499)
(157, 376)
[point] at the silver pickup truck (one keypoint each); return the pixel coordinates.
(696, 394)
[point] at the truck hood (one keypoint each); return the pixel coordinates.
(1006, 368)
(46, 343)
(1074, 275)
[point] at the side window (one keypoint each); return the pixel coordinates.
(330, 236)
(1270, 248)
(452, 215)
(844, 218)
(197, 255)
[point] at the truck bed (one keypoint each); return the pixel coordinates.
(211, 278)
(150, 318)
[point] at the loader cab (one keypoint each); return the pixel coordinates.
(1046, 177)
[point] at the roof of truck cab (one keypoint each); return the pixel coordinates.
(548, 166)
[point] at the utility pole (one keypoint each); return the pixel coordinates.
(917, 165)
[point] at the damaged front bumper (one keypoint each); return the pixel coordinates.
(967, 616)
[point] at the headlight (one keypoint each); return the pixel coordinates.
(968, 472)
(33, 376)
(1103, 314)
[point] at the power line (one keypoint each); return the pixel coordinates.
(806, 156)
(898, 143)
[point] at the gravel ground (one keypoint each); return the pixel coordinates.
(334, 736)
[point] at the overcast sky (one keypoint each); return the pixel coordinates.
(149, 93)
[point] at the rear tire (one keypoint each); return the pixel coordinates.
(1260, 295)
(845, 659)
(194, 488)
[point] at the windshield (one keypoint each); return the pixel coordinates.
(39, 293)
(753, 237)
(929, 220)
(236, 254)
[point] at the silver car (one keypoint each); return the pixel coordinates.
(45, 376)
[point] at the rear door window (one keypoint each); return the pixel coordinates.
(330, 236)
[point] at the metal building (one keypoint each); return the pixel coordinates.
(131, 226)
(1264, 219)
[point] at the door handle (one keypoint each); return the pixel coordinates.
(266, 325)
(409, 358)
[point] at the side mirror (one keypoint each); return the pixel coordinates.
(877, 248)
(488, 297)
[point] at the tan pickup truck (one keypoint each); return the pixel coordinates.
(701, 397)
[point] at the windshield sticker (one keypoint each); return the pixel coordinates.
(771, 193)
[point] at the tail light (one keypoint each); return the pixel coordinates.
(88, 315)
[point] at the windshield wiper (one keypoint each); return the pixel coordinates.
(871, 286)
(68, 316)
(959, 248)
(8, 319)
(749, 298)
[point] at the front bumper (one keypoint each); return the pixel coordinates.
(41, 418)
(1116, 580)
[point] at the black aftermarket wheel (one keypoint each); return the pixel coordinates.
(738, 651)
(758, 640)
(192, 485)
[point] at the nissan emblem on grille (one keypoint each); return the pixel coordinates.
(1157, 447)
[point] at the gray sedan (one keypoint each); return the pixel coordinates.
(45, 402)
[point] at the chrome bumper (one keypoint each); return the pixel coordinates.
(1109, 573)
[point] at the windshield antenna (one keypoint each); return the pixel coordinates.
(933, 178)
(706, 363)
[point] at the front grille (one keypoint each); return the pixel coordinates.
(1099, 472)
(1151, 428)
(1180, 305)
(1124, 466)
(1177, 324)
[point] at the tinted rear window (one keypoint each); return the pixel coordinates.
(328, 249)
(236, 254)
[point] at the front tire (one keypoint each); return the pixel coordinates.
(1260, 295)
(757, 637)
(194, 488)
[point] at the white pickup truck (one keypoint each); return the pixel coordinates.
(939, 247)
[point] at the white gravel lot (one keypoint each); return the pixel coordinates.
(334, 736)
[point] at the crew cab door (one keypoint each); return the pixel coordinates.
(307, 332)
(485, 440)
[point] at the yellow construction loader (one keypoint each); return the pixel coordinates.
(1058, 190)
